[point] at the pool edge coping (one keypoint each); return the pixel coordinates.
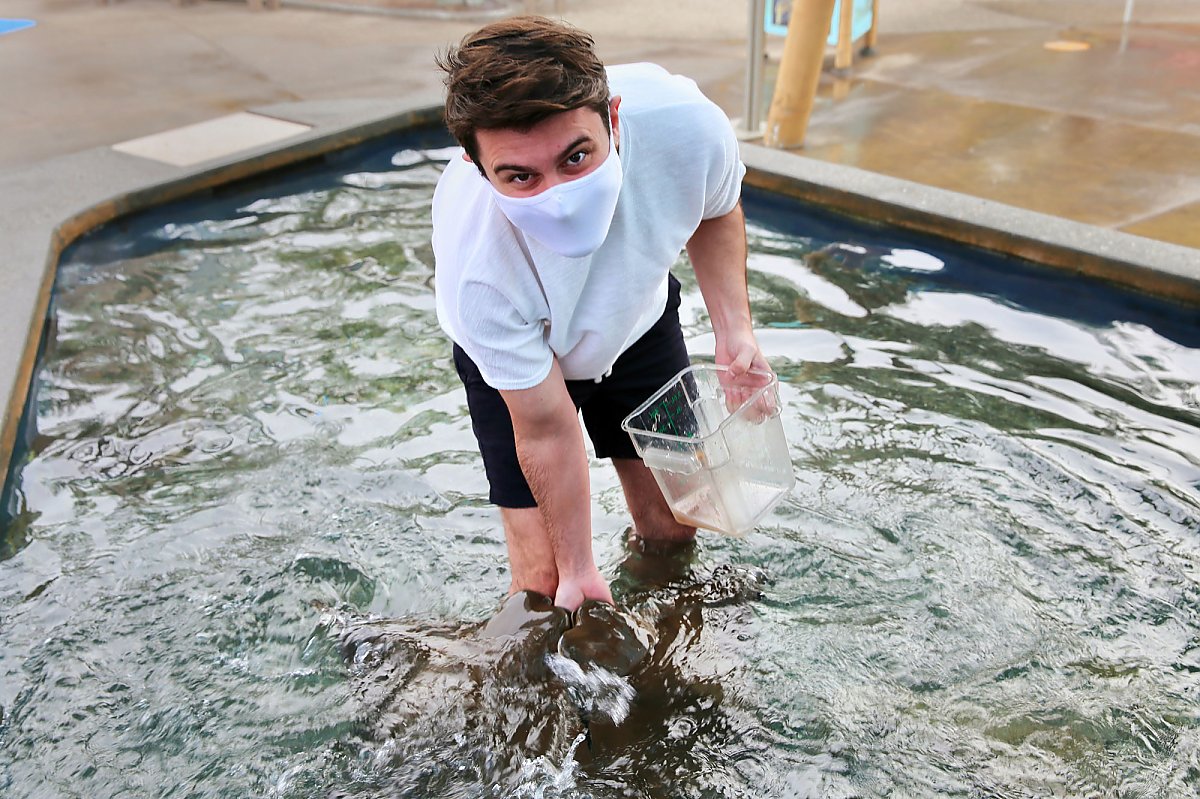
(122, 184)
(1148, 266)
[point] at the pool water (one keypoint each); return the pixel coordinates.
(248, 554)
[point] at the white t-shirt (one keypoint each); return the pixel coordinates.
(513, 305)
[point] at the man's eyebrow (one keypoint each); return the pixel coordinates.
(566, 151)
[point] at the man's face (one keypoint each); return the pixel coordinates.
(560, 148)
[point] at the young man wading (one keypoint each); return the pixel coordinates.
(553, 236)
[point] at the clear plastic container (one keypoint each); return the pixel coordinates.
(715, 446)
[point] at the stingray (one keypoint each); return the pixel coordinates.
(537, 695)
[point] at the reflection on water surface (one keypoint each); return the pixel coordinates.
(249, 554)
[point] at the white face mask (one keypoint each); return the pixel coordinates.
(572, 218)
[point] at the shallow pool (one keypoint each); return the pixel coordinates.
(248, 445)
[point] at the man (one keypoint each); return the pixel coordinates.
(553, 238)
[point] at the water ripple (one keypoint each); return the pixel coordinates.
(250, 440)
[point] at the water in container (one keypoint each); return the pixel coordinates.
(716, 447)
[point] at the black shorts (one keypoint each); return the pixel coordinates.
(648, 364)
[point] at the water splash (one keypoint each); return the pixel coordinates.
(542, 778)
(599, 693)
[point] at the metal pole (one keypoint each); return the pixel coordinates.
(873, 33)
(845, 46)
(1125, 26)
(756, 54)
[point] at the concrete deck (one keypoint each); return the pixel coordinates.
(1062, 153)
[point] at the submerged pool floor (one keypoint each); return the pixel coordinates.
(249, 555)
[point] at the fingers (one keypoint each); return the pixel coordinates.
(742, 361)
(759, 362)
(572, 593)
(740, 353)
(569, 597)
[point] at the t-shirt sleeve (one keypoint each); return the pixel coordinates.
(723, 186)
(486, 296)
(510, 350)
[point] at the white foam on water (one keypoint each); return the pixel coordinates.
(915, 260)
(542, 778)
(411, 157)
(597, 691)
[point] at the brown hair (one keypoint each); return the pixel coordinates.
(517, 72)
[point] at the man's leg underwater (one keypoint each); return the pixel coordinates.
(652, 517)
(641, 370)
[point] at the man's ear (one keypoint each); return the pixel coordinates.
(613, 105)
(467, 157)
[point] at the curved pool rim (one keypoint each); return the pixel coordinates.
(95, 187)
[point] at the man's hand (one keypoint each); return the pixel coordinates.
(739, 351)
(573, 591)
(743, 356)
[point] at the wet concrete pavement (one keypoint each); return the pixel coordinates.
(1108, 135)
(960, 95)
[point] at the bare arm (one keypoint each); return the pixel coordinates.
(551, 451)
(718, 253)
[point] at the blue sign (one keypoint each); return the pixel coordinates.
(780, 11)
(10, 25)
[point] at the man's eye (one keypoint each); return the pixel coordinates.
(575, 159)
(520, 178)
